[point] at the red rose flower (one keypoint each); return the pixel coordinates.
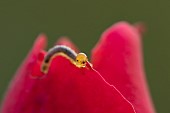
(114, 84)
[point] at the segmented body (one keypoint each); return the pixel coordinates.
(77, 59)
(60, 49)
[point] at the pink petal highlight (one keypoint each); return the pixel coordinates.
(140, 27)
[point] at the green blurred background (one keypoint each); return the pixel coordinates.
(84, 21)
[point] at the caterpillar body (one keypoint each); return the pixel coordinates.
(79, 59)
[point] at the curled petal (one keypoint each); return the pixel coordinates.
(117, 56)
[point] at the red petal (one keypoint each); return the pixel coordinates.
(118, 57)
(65, 41)
(20, 84)
(65, 89)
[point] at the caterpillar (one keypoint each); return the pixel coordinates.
(79, 59)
